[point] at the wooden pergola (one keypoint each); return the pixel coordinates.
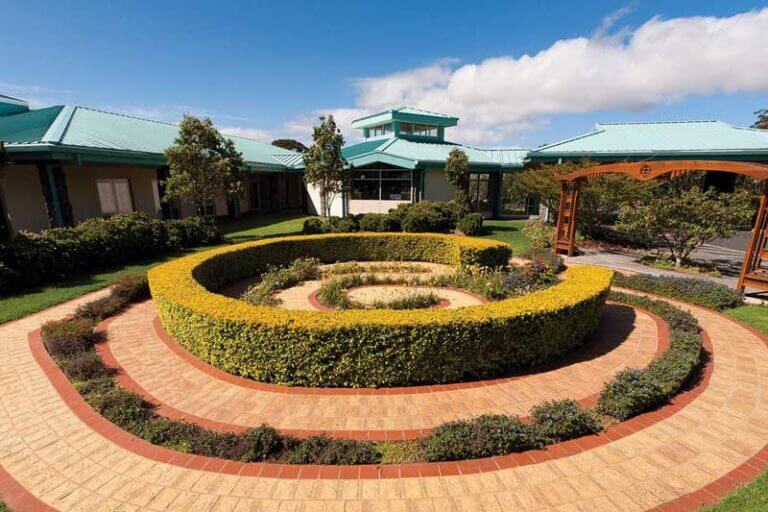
(753, 272)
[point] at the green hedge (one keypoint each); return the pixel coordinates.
(370, 348)
(98, 243)
(696, 291)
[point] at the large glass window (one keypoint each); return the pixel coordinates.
(382, 185)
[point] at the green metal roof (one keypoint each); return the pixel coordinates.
(406, 114)
(666, 139)
(417, 154)
(27, 127)
(88, 131)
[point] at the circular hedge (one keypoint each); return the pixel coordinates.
(370, 348)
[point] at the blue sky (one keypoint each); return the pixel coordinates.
(266, 69)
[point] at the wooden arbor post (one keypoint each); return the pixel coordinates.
(565, 233)
(753, 273)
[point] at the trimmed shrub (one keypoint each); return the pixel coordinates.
(379, 222)
(371, 347)
(634, 391)
(485, 436)
(564, 419)
(347, 224)
(84, 366)
(63, 338)
(99, 243)
(428, 217)
(471, 224)
(315, 225)
(322, 450)
(696, 291)
(132, 288)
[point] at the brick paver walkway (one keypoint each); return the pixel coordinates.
(626, 338)
(51, 457)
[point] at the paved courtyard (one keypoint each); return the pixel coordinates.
(57, 454)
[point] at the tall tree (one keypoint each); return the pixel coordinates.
(203, 164)
(457, 172)
(291, 144)
(324, 164)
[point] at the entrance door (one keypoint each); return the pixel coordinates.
(479, 193)
(5, 229)
(255, 195)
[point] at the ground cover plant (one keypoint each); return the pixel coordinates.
(280, 278)
(696, 291)
(484, 436)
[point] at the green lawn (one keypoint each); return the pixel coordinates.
(36, 299)
(752, 497)
(509, 231)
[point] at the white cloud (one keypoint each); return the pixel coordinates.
(662, 61)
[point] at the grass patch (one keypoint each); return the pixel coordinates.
(752, 314)
(508, 231)
(45, 296)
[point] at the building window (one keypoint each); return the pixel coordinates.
(418, 130)
(379, 131)
(114, 196)
(382, 185)
(208, 209)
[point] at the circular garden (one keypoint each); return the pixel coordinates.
(524, 316)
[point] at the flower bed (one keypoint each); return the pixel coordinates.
(370, 348)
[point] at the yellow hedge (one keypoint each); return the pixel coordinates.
(370, 347)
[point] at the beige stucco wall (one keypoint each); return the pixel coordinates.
(372, 206)
(22, 196)
(436, 186)
(84, 197)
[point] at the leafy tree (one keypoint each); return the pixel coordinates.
(762, 119)
(291, 144)
(457, 172)
(203, 164)
(323, 163)
(600, 198)
(680, 220)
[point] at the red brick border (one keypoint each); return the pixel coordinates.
(125, 380)
(661, 328)
(17, 497)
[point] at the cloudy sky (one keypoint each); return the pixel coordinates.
(515, 73)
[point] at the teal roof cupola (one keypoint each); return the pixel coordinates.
(10, 106)
(405, 123)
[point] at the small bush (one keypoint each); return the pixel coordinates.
(485, 436)
(10, 280)
(322, 450)
(379, 222)
(630, 392)
(541, 235)
(123, 408)
(471, 224)
(346, 224)
(428, 217)
(101, 308)
(564, 419)
(545, 256)
(315, 225)
(63, 338)
(132, 288)
(696, 291)
(85, 366)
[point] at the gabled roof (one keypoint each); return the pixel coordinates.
(406, 114)
(80, 129)
(418, 154)
(676, 138)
